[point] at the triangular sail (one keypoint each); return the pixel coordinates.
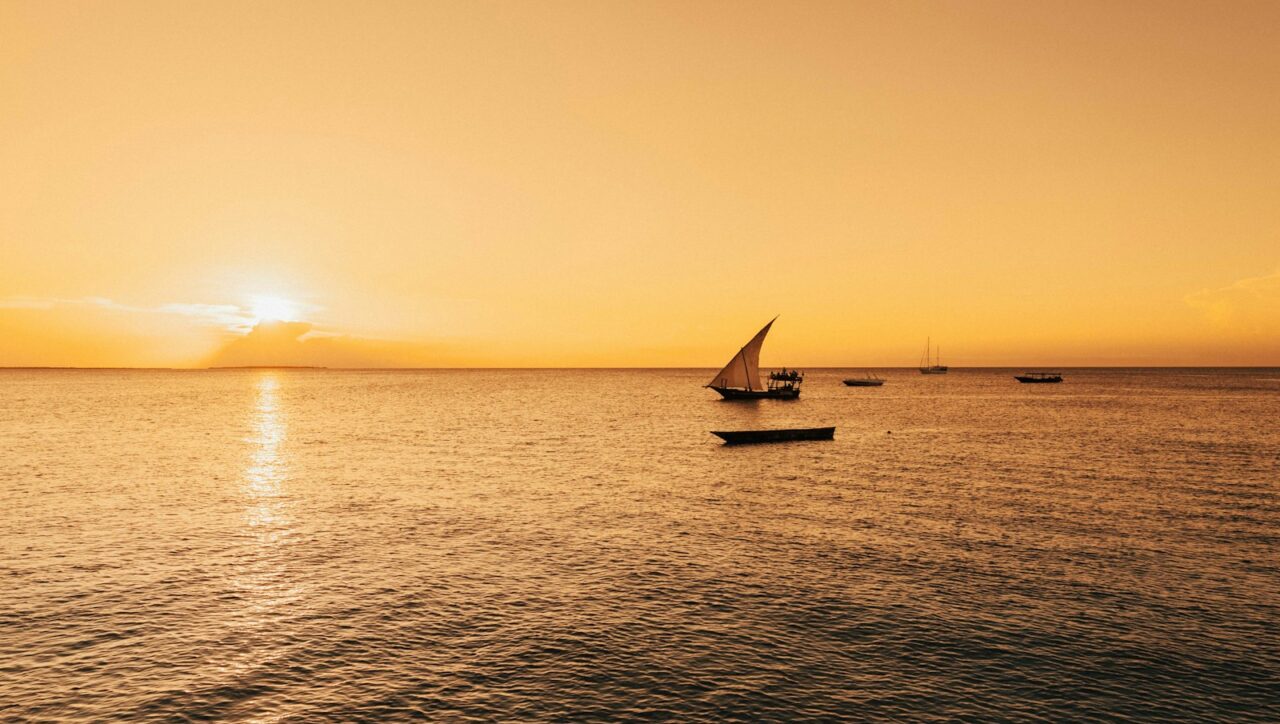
(743, 371)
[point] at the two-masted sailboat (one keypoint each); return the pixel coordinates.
(928, 364)
(740, 379)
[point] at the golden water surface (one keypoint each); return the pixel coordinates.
(264, 545)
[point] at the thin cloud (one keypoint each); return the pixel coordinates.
(222, 314)
(1250, 305)
(226, 315)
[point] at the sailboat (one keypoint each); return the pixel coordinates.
(928, 365)
(740, 379)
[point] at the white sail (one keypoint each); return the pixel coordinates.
(743, 371)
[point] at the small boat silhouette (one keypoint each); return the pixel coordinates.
(1033, 378)
(743, 437)
(867, 380)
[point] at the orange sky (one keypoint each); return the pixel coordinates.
(639, 183)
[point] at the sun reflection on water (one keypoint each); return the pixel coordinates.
(263, 576)
(264, 585)
(266, 473)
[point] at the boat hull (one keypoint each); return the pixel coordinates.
(936, 370)
(1037, 380)
(864, 383)
(733, 393)
(747, 437)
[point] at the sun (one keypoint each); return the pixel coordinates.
(272, 309)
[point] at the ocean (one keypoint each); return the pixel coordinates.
(528, 545)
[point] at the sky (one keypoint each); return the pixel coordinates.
(638, 184)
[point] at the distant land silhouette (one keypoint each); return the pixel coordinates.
(270, 367)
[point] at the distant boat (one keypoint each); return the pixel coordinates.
(930, 366)
(867, 380)
(740, 379)
(744, 437)
(1038, 378)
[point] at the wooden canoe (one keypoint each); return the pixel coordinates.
(743, 437)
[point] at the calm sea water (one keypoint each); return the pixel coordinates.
(530, 545)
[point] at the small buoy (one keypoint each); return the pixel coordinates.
(888, 432)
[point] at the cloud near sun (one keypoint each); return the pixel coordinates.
(273, 342)
(95, 331)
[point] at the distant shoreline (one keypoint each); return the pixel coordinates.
(261, 367)
(954, 368)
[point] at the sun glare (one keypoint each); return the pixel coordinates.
(272, 309)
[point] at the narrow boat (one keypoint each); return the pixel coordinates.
(867, 380)
(1038, 378)
(929, 365)
(740, 379)
(744, 437)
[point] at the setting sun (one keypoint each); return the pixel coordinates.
(273, 309)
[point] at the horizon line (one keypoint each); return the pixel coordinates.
(317, 368)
